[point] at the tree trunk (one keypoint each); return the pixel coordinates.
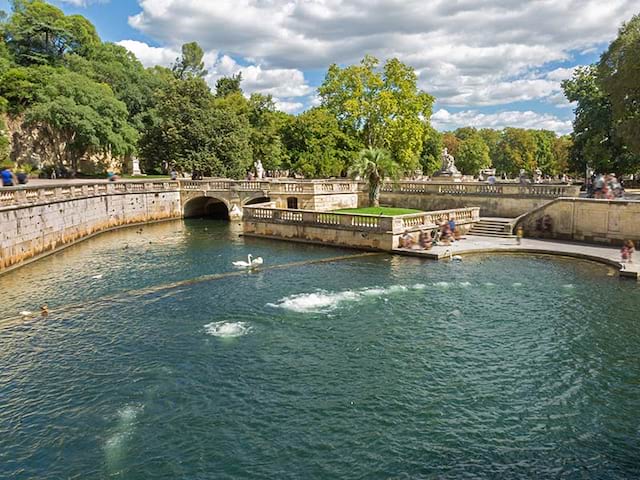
(374, 192)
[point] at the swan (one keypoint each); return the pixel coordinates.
(452, 257)
(250, 263)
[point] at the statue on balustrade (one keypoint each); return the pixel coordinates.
(259, 170)
(448, 169)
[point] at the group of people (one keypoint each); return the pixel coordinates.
(9, 179)
(626, 253)
(606, 187)
(446, 233)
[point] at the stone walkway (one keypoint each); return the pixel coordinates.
(476, 244)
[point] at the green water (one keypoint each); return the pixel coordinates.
(367, 368)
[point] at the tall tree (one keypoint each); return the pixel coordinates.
(432, 146)
(190, 63)
(473, 154)
(619, 75)
(77, 116)
(517, 151)
(544, 157)
(229, 85)
(491, 138)
(39, 33)
(382, 109)
(374, 165)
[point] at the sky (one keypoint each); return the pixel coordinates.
(489, 63)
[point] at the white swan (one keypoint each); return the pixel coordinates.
(250, 263)
(452, 257)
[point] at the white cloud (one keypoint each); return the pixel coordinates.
(287, 85)
(467, 53)
(148, 55)
(444, 120)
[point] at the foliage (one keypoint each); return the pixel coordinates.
(473, 154)
(381, 109)
(77, 116)
(193, 133)
(619, 77)
(39, 33)
(190, 63)
(517, 151)
(451, 143)
(374, 165)
(228, 85)
(316, 145)
(432, 146)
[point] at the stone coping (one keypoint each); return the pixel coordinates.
(474, 245)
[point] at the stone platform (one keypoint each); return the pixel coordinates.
(470, 245)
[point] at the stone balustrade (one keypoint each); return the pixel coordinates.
(350, 221)
(26, 195)
(529, 190)
(276, 186)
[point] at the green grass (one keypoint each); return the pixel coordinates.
(380, 211)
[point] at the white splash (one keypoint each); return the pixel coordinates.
(568, 286)
(116, 445)
(489, 284)
(227, 329)
(323, 301)
(465, 284)
(455, 313)
(97, 277)
(441, 284)
(517, 284)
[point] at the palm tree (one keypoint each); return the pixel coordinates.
(374, 165)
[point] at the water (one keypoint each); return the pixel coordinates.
(369, 367)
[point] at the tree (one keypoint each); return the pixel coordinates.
(432, 146)
(544, 157)
(595, 142)
(374, 165)
(76, 116)
(266, 140)
(193, 132)
(227, 85)
(190, 63)
(491, 139)
(561, 151)
(316, 145)
(516, 151)
(39, 33)
(381, 109)
(619, 74)
(473, 154)
(451, 143)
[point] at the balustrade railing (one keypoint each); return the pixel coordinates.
(350, 221)
(16, 196)
(533, 190)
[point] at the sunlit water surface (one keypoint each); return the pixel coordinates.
(371, 368)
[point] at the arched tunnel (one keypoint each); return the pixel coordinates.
(209, 207)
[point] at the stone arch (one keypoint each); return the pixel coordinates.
(257, 199)
(210, 207)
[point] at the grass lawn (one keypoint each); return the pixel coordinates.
(380, 211)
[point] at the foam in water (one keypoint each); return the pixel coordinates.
(323, 301)
(441, 284)
(116, 445)
(517, 284)
(568, 286)
(227, 329)
(465, 284)
(456, 313)
(489, 284)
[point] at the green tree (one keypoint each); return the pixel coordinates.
(451, 143)
(317, 146)
(561, 151)
(432, 146)
(266, 124)
(491, 138)
(382, 109)
(193, 132)
(40, 33)
(190, 63)
(595, 142)
(227, 85)
(4, 140)
(76, 117)
(544, 157)
(374, 165)
(473, 154)
(619, 77)
(517, 149)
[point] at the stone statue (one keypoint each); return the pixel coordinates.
(448, 166)
(259, 170)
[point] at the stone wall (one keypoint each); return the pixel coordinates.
(30, 231)
(586, 220)
(490, 205)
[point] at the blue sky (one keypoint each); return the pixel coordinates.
(493, 63)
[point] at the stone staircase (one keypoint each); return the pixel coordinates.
(493, 227)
